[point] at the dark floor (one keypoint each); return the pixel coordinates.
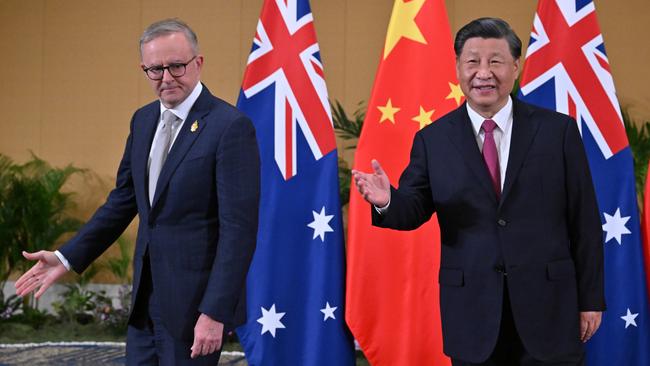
(82, 354)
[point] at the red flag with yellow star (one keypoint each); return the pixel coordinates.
(392, 288)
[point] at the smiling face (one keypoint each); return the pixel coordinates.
(173, 48)
(487, 72)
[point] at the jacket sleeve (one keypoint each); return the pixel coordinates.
(238, 194)
(411, 205)
(584, 224)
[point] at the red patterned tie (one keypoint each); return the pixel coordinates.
(490, 155)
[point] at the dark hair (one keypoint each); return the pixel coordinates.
(168, 26)
(488, 28)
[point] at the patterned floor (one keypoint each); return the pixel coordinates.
(74, 354)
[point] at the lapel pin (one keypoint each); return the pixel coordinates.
(195, 126)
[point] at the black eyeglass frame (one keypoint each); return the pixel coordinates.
(162, 69)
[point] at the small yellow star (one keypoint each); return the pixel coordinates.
(424, 118)
(388, 112)
(402, 24)
(456, 93)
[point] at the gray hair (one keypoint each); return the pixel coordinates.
(168, 26)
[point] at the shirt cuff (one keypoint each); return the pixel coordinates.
(382, 210)
(64, 261)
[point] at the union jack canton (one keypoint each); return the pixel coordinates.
(295, 286)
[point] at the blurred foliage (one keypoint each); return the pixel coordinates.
(33, 210)
(347, 129)
(639, 138)
(78, 302)
(119, 266)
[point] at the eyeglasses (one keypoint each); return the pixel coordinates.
(176, 70)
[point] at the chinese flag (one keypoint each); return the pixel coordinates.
(392, 277)
(645, 228)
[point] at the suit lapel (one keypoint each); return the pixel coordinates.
(142, 139)
(462, 135)
(524, 129)
(191, 129)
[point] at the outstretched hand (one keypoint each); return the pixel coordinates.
(42, 275)
(373, 187)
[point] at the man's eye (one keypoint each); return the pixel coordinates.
(175, 67)
(156, 69)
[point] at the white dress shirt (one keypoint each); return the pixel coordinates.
(502, 134)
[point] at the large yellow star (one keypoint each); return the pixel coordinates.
(388, 112)
(456, 93)
(402, 24)
(424, 118)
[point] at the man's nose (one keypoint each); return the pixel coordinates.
(167, 76)
(484, 71)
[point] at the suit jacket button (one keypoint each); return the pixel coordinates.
(502, 222)
(500, 268)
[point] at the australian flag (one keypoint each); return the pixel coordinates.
(295, 287)
(567, 70)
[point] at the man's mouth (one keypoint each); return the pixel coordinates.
(484, 87)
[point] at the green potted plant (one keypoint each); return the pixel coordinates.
(33, 210)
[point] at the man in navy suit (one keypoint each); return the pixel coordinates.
(190, 171)
(521, 273)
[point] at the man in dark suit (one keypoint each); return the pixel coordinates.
(521, 274)
(190, 171)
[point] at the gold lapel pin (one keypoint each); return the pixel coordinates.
(195, 126)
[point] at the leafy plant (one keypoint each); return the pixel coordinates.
(345, 176)
(345, 127)
(79, 303)
(9, 306)
(639, 138)
(348, 129)
(116, 318)
(119, 266)
(32, 317)
(33, 210)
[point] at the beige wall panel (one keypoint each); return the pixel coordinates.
(366, 24)
(627, 41)
(329, 21)
(251, 10)
(217, 25)
(90, 86)
(21, 39)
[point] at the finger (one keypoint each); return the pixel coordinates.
(27, 288)
(588, 331)
(208, 348)
(33, 256)
(29, 274)
(583, 329)
(196, 349)
(377, 167)
(44, 286)
(23, 286)
(597, 323)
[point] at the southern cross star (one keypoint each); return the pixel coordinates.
(270, 320)
(321, 224)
